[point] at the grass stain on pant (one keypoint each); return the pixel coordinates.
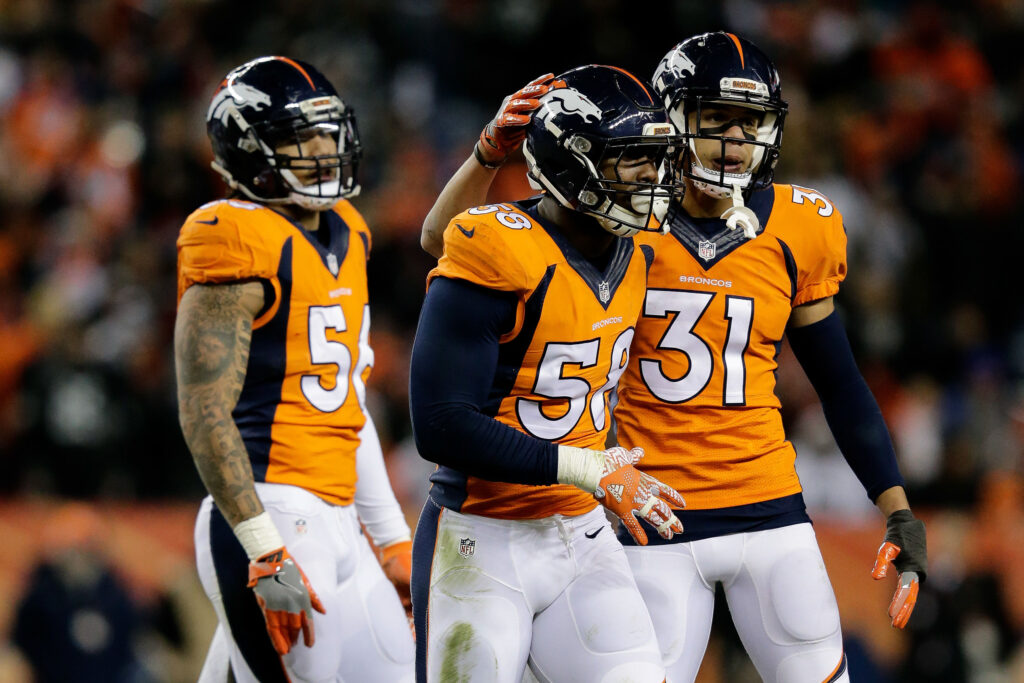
(456, 646)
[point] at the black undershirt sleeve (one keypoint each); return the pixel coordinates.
(850, 408)
(454, 358)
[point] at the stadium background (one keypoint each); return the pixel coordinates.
(909, 115)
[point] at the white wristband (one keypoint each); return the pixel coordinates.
(581, 467)
(258, 535)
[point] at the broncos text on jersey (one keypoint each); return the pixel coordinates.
(301, 406)
(565, 353)
(699, 392)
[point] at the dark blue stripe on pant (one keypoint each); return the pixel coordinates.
(248, 628)
(422, 559)
(839, 671)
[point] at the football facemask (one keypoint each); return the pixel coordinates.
(632, 184)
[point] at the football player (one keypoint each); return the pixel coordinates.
(525, 330)
(272, 356)
(745, 262)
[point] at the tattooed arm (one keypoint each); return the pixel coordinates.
(211, 351)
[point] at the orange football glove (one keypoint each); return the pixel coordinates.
(285, 597)
(630, 493)
(506, 130)
(905, 540)
(396, 561)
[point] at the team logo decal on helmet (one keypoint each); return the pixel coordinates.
(264, 123)
(716, 70)
(568, 101)
(581, 134)
(227, 100)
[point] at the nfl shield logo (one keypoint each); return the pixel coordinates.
(467, 546)
(604, 292)
(332, 264)
(706, 250)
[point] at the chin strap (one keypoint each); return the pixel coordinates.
(741, 216)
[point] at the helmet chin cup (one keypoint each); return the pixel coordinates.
(319, 197)
(624, 222)
(711, 182)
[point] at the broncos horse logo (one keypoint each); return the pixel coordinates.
(569, 101)
(238, 95)
(671, 69)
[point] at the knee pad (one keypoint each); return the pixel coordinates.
(462, 653)
(826, 664)
(472, 635)
(390, 627)
(802, 597)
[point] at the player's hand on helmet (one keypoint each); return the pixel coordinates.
(905, 548)
(505, 132)
(396, 561)
(619, 486)
(285, 597)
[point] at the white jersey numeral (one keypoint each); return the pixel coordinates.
(507, 215)
(365, 359)
(323, 351)
(801, 195)
(552, 383)
(689, 307)
(740, 312)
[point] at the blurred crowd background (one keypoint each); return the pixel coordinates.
(908, 115)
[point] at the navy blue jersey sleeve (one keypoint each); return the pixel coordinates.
(850, 408)
(454, 358)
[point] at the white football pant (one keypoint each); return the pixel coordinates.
(779, 596)
(365, 634)
(554, 592)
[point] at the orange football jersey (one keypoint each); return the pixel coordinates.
(699, 392)
(300, 410)
(568, 347)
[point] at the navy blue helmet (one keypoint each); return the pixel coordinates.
(271, 103)
(579, 135)
(723, 69)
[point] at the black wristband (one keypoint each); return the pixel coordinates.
(907, 532)
(483, 162)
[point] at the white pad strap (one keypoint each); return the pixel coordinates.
(741, 216)
(664, 527)
(258, 535)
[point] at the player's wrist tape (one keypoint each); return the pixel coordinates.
(580, 467)
(258, 535)
(483, 162)
(395, 541)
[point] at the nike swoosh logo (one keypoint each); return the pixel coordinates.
(213, 222)
(594, 533)
(467, 233)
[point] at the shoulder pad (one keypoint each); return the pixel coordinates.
(226, 241)
(812, 227)
(494, 246)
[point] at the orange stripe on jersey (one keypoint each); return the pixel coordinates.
(836, 671)
(739, 48)
(272, 310)
(636, 80)
(302, 71)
